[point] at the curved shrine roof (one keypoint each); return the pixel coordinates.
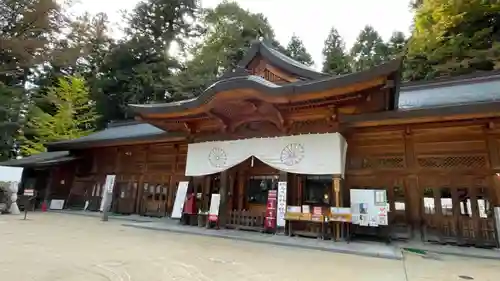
(474, 88)
(269, 88)
(280, 60)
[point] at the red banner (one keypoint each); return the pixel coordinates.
(270, 220)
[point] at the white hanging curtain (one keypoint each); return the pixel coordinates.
(315, 154)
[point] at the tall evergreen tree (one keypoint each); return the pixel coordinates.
(229, 32)
(336, 61)
(397, 44)
(11, 101)
(297, 51)
(74, 115)
(80, 50)
(139, 68)
(453, 37)
(369, 50)
(27, 27)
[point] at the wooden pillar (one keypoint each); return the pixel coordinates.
(411, 189)
(230, 203)
(223, 191)
(300, 190)
(494, 157)
(241, 190)
(118, 160)
(205, 197)
(173, 181)
(48, 188)
(496, 191)
(337, 201)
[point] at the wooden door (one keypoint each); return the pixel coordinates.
(457, 210)
(155, 196)
(95, 195)
(125, 194)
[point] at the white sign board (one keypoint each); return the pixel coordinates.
(110, 183)
(369, 207)
(56, 204)
(180, 199)
(107, 191)
(213, 213)
(281, 204)
(497, 222)
(29, 192)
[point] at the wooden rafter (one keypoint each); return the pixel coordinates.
(224, 121)
(189, 128)
(255, 104)
(252, 118)
(278, 114)
(157, 123)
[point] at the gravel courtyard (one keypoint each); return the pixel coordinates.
(50, 247)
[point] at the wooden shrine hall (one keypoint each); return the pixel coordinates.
(434, 147)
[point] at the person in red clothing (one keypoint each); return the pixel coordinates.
(190, 209)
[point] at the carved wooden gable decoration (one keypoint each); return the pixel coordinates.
(264, 61)
(259, 66)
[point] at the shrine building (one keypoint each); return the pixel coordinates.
(433, 146)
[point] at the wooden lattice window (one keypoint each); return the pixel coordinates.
(452, 162)
(377, 162)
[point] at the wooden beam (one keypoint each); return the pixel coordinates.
(252, 118)
(389, 84)
(255, 104)
(278, 114)
(224, 121)
(189, 128)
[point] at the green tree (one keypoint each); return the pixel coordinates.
(369, 50)
(229, 32)
(297, 51)
(397, 44)
(74, 115)
(453, 37)
(336, 61)
(139, 68)
(27, 27)
(11, 101)
(80, 51)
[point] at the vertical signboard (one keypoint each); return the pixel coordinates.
(280, 216)
(213, 213)
(270, 219)
(180, 199)
(497, 222)
(107, 191)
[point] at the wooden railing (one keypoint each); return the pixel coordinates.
(245, 220)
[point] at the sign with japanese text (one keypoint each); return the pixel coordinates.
(29, 192)
(270, 219)
(280, 221)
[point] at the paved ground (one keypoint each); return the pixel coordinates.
(50, 247)
(364, 248)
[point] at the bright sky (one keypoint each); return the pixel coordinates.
(10, 174)
(311, 20)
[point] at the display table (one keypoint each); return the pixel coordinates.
(318, 222)
(343, 218)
